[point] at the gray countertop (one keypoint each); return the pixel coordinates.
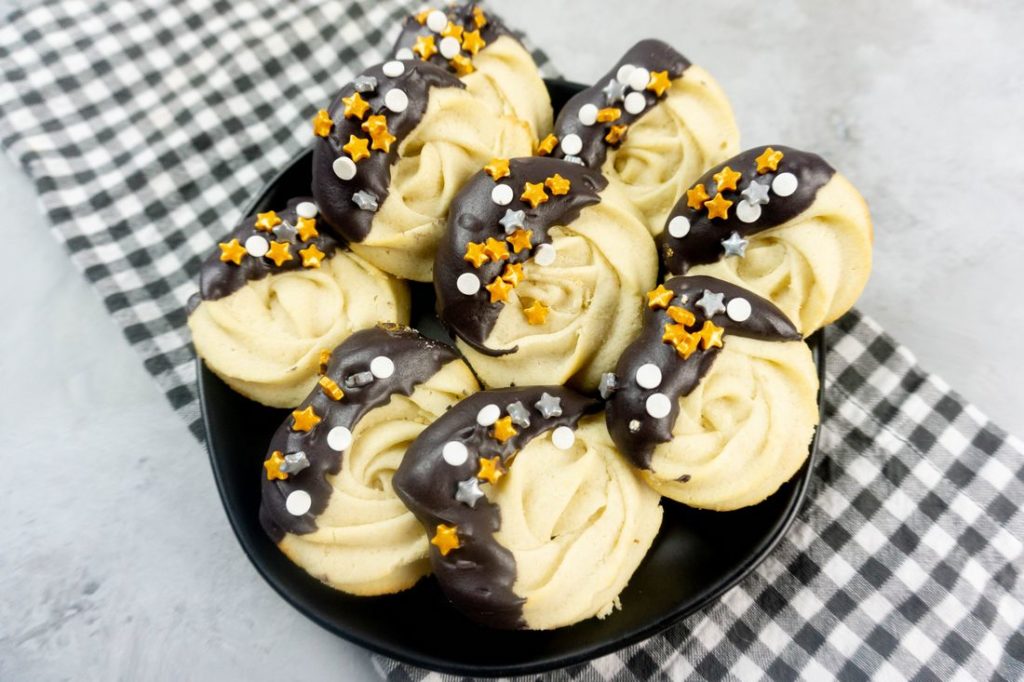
(116, 561)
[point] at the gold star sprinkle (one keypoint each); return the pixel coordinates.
(659, 82)
(306, 228)
(475, 254)
(503, 429)
(422, 16)
(534, 194)
(513, 274)
(491, 469)
(273, 466)
(681, 315)
(696, 196)
(520, 240)
(462, 65)
(330, 388)
(232, 252)
(355, 106)
(537, 313)
(279, 252)
(377, 126)
(497, 169)
(547, 145)
(322, 123)
(304, 420)
(499, 289)
(608, 114)
(711, 335)
(446, 538)
(726, 178)
(718, 207)
(675, 334)
(452, 31)
(472, 42)
(425, 47)
(357, 147)
(768, 160)
(495, 250)
(375, 123)
(687, 346)
(265, 222)
(478, 17)
(311, 256)
(325, 359)
(558, 185)
(615, 134)
(659, 297)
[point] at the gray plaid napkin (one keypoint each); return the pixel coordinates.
(147, 125)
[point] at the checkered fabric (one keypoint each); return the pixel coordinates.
(147, 125)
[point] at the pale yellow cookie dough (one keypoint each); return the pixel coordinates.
(507, 79)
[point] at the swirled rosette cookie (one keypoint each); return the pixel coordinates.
(780, 222)
(653, 123)
(327, 496)
(392, 151)
(540, 273)
(535, 519)
(716, 399)
(278, 293)
(479, 49)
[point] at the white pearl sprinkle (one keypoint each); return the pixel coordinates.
(257, 246)
(648, 376)
(450, 47)
(455, 453)
(396, 100)
(306, 209)
(748, 212)
(502, 195)
(344, 168)
(639, 79)
(298, 502)
(679, 226)
(658, 405)
(572, 144)
(437, 21)
(404, 53)
(784, 184)
(624, 72)
(545, 254)
(468, 283)
(563, 437)
(588, 114)
(393, 69)
(634, 103)
(738, 309)
(488, 414)
(339, 439)
(382, 367)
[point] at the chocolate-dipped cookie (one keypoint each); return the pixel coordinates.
(653, 124)
(327, 496)
(540, 273)
(535, 519)
(279, 291)
(780, 222)
(716, 399)
(478, 48)
(390, 153)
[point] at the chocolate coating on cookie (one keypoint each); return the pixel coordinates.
(635, 430)
(414, 360)
(475, 217)
(218, 278)
(349, 205)
(466, 17)
(477, 575)
(790, 181)
(609, 93)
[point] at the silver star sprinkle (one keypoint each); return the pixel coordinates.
(735, 245)
(634, 425)
(286, 232)
(365, 84)
(359, 379)
(608, 385)
(572, 158)
(512, 220)
(469, 492)
(295, 462)
(365, 200)
(614, 91)
(549, 406)
(711, 303)
(520, 415)
(756, 193)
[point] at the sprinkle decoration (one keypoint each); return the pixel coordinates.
(497, 169)
(322, 123)
(265, 222)
(520, 240)
(491, 469)
(446, 538)
(475, 254)
(355, 106)
(273, 466)
(232, 252)
(534, 194)
(659, 297)
(304, 419)
(468, 492)
(279, 252)
(330, 388)
(311, 256)
(547, 145)
(503, 429)
(455, 453)
(306, 228)
(536, 313)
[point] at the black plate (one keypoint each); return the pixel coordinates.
(696, 557)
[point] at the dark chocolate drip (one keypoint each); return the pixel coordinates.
(460, 15)
(474, 217)
(416, 359)
(218, 278)
(652, 55)
(628, 404)
(703, 243)
(477, 576)
(373, 174)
